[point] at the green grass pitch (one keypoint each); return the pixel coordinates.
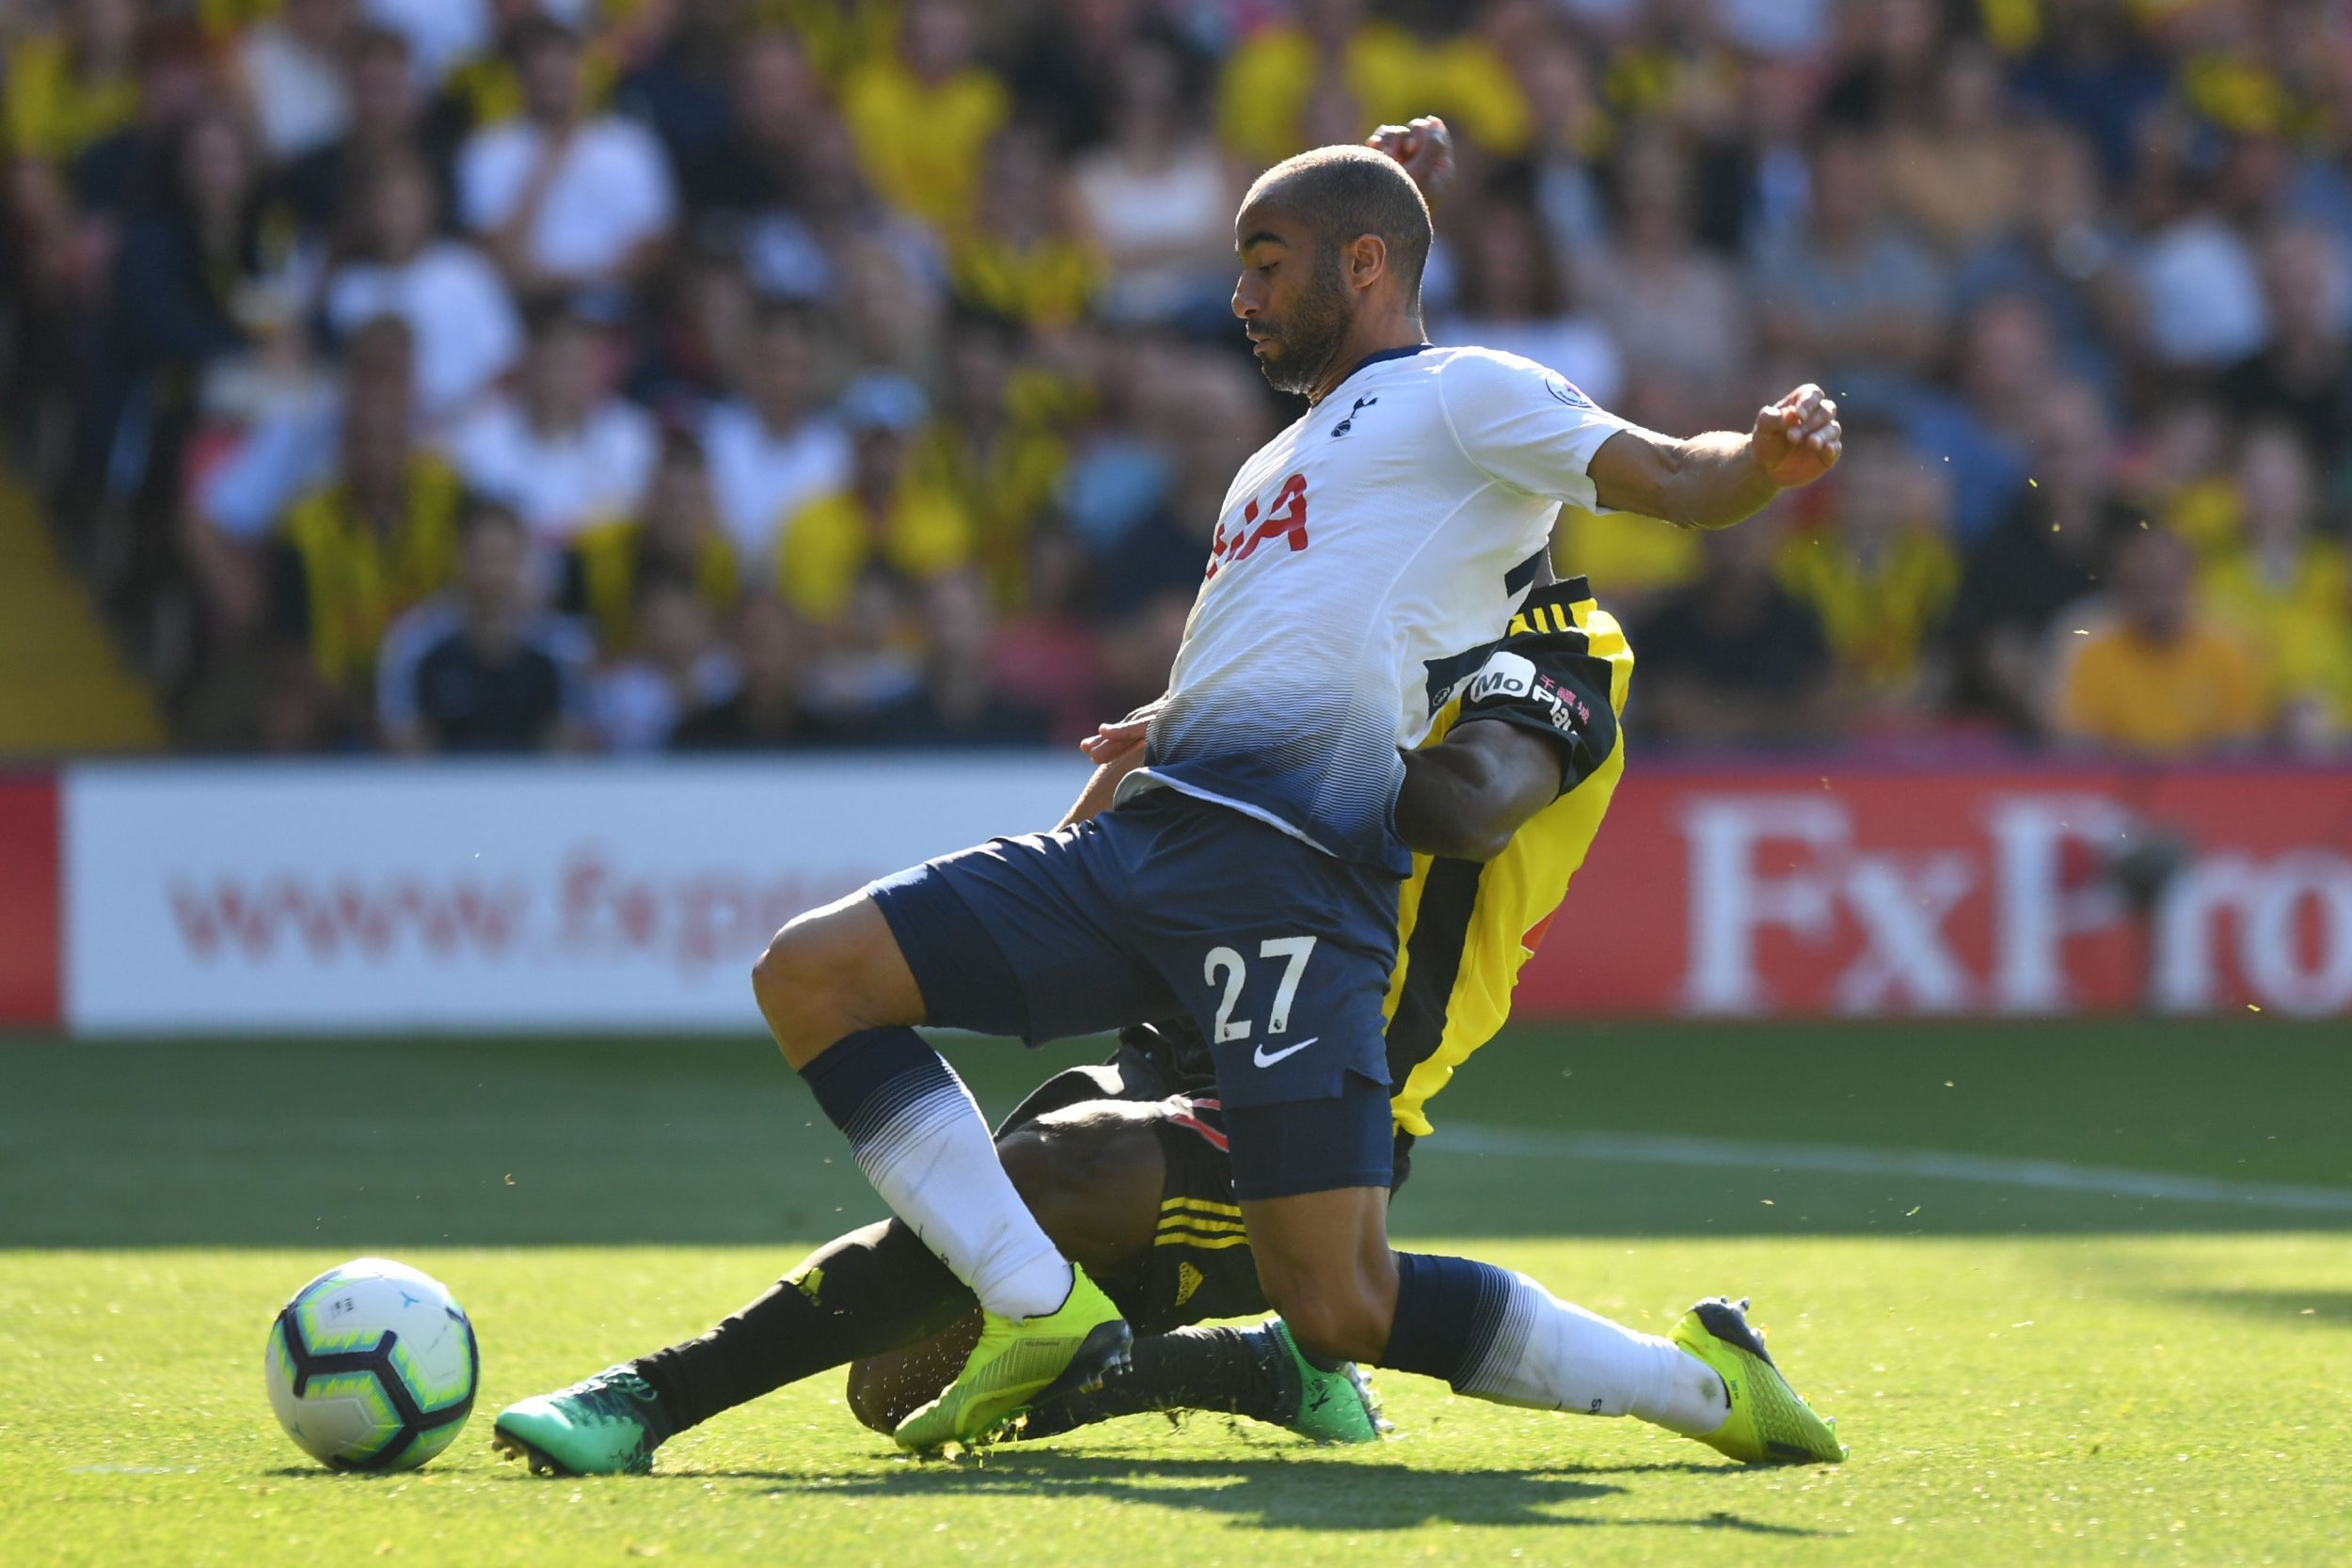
(2139, 1364)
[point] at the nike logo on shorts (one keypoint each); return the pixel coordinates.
(1262, 1059)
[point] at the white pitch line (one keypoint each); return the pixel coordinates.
(1734, 1154)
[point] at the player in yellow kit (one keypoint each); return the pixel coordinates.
(1125, 1163)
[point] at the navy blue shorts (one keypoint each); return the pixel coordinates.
(1280, 953)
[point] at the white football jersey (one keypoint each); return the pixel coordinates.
(1365, 560)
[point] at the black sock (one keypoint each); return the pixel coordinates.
(861, 1294)
(1239, 1371)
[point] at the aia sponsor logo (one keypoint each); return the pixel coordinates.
(1285, 518)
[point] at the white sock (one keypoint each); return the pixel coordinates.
(1554, 1356)
(921, 1141)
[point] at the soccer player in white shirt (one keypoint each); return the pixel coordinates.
(1248, 875)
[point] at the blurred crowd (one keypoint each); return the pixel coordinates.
(631, 374)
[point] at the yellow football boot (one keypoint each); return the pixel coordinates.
(1019, 1362)
(1770, 1423)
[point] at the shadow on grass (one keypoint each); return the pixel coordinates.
(2326, 1307)
(1276, 1494)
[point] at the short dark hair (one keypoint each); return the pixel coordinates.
(1344, 192)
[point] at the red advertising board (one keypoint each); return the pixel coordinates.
(28, 902)
(1799, 890)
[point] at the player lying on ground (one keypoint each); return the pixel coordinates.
(1261, 831)
(1123, 1165)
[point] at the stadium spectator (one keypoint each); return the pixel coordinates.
(1018, 256)
(866, 665)
(1513, 294)
(2155, 677)
(2303, 375)
(923, 112)
(676, 666)
(885, 519)
(1677, 311)
(480, 667)
(463, 322)
(1850, 291)
(1888, 70)
(1221, 420)
(766, 710)
(962, 702)
(2199, 285)
(1156, 200)
(439, 35)
(684, 88)
(2286, 593)
(892, 303)
(996, 446)
(289, 450)
(562, 198)
(1880, 573)
(293, 66)
(1283, 83)
(388, 122)
(1954, 172)
(122, 171)
(72, 86)
(353, 555)
(2065, 254)
(753, 163)
(2047, 553)
(2088, 70)
(771, 452)
(1984, 436)
(1752, 154)
(188, 258)
(1068, 68)
(677, 534)
(492, 85)
(559, 450)
(1272, 76)
(2179, 471)
(1567, 130)
(1735, 658)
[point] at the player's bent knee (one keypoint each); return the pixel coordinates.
(830, 973)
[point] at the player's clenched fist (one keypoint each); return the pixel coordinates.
(1425, 147)
(1796, 440)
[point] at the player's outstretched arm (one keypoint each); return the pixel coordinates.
(1714, 480)
(1463, 798)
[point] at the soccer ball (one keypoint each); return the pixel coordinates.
(371, 1367)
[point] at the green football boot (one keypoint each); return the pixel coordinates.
(1019, 1362)
(606, 1425)
(1337, 1406)
(1770, 1423)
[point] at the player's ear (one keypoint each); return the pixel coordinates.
(1367, 261)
